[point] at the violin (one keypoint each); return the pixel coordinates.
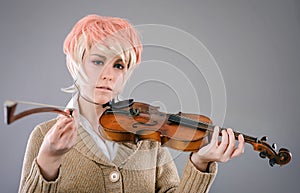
(129, 121)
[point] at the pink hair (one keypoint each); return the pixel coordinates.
(95, 29)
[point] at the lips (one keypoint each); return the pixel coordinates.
(104, 88)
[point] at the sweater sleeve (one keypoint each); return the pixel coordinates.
(31, 177)
(192, 179)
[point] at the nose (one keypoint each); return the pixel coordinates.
(107, 73)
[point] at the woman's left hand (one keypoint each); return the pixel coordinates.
(219, 151)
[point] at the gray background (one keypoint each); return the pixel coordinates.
(255, 43)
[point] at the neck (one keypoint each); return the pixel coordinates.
(92, 112)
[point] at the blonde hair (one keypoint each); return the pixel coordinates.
(107, 33)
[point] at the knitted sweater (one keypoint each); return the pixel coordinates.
(142, 167)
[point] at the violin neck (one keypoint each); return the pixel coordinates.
(203, 126)
(247, 138)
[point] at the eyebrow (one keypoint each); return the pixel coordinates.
(99, 56)
(119, 60)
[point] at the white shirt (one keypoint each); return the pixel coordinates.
(109, 148)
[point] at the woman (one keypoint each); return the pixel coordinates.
(67, 154)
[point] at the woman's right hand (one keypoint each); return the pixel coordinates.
(58, 141)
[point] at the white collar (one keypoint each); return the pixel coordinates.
(109, 148)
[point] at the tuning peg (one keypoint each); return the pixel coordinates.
(272, 162)
(264, 138)
(263, 154)
(274, 146)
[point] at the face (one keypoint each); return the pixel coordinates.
(106, 75)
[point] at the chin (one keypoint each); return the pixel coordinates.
(103, 100)
(103, 97)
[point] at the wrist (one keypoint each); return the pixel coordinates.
(46, 157)
(49, 165)
(199, 163)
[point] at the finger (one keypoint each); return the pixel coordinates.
(60, 115)
(61, 121)
(68, 128)
(231, 144)
(70, 112)
(241, 147)
(68, 137)
(224, 142)
(215, 135)
(74, 115)
(57, 128)
(60, 126)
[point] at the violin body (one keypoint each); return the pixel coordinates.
(151, 124)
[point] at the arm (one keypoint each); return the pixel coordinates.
(44, 155)
(58, 141)
(201, 168)
(192, 179)
(31, 177)
(220, 151)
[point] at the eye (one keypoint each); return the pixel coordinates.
(98, 62)
(119, 66)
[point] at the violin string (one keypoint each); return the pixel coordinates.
(200, 122)
(210, 128)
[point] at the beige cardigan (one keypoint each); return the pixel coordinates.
(145, 167)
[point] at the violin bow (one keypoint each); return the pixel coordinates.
(10, 108)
